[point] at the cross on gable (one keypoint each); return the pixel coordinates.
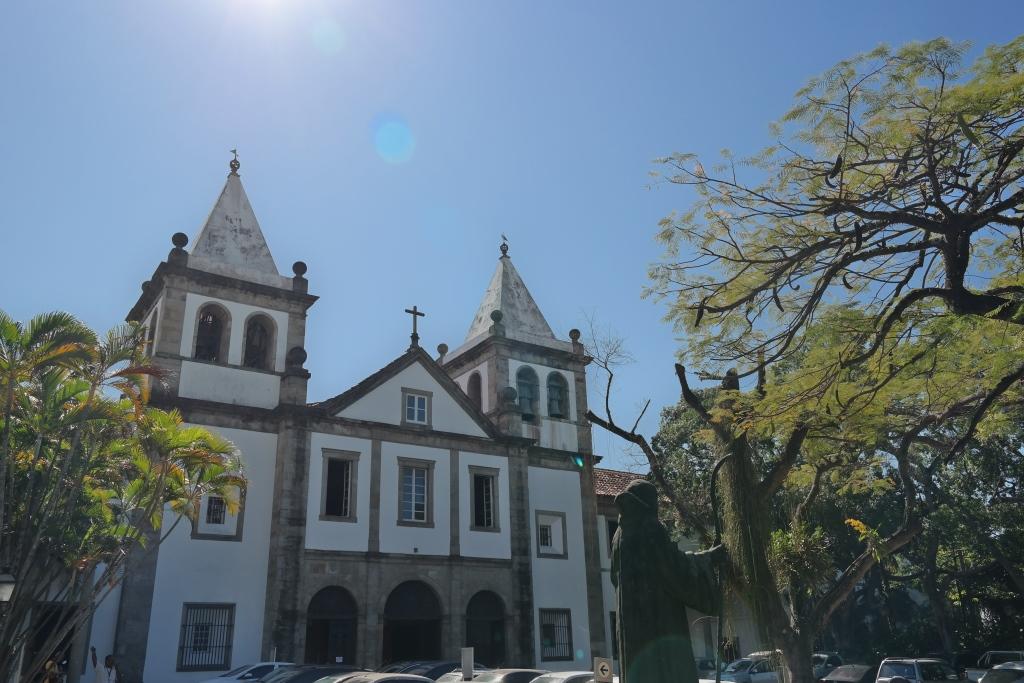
(415, 313)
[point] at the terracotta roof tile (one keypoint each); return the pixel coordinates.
(612, 482)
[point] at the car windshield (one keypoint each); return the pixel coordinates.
(282, 674)
(738, 666)
(937, 671)
(235, 672)
(905, 669)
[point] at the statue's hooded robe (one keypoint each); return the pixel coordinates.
(655, 583)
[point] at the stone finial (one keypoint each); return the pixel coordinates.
(234, 165)
(442, 351)
(299, 282)
(508, 397)
(577, 345)
(496, 316)
(504, 246)
(295, 358)
(574, 334)
(178, 255)
(497, 328)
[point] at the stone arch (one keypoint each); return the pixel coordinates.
(558, 395)
(486, 628)
(259, 342)
(331, 626)
(212, 339)
(474, 387)
(528, 391)
(413, 617)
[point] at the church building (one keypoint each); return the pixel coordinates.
(445, 500)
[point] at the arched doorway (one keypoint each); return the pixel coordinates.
(331, 627)
(412, 623)
(485, 628)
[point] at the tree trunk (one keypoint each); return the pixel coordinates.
(796, 656)
(936, 599)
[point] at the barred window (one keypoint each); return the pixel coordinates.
(544, 531)
(613, 621)
(207, 632)
(215, 509)
(556, 635)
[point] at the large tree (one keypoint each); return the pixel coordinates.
(866, 270)
(88, 470)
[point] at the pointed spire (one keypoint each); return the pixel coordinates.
(231, 239)
(520, 315)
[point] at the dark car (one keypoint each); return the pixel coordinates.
(1010, 672)
(850, 673)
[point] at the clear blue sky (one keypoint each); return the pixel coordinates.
(388, 144)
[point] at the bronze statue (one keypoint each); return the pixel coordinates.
(655, 582)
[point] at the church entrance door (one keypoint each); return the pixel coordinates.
(412, 623)
(485, 628)
(331, 627)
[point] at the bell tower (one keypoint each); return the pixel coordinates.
(221, 321)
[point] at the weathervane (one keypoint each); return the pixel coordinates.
(415, 313)
(504, 245)
(234, 163)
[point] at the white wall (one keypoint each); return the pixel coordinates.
(384, 404)
(486, 400)
(228, 385)
(239, 313)
(103, 627)
(550, 432)
(494, 544)
(560, 583)
(190, 570)
(334, 535)
(435, 540)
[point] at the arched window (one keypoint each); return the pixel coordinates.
(527, 388)
(259, 343)
(212, 335)
(558, 395)
(331, 627)
(475, 391)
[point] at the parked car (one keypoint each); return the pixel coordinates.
(309, 673)
(991, 659)
(1007, 672)
(919, 670)
(434, 668)
(757, 667)
(824, 662)
(566, 677)
(850, 673)
(508, 676)
(248, 672)
(376, 677)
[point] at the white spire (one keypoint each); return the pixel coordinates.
(520, 314)
(231, 241)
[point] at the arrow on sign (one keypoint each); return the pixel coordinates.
(602, 670)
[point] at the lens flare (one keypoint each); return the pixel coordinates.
(393, 140)
(328, 37)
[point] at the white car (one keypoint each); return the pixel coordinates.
(1008, 672)
(566, 677)
(249, 672)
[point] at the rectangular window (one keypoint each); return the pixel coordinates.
(339, 484)
(415, 492)
(215, 509)
(484, 498)
(416, 407)
(207, 631)
(556, 635)
(550, 532)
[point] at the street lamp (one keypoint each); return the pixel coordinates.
(6, 587)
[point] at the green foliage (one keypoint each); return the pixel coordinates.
(92, 476)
